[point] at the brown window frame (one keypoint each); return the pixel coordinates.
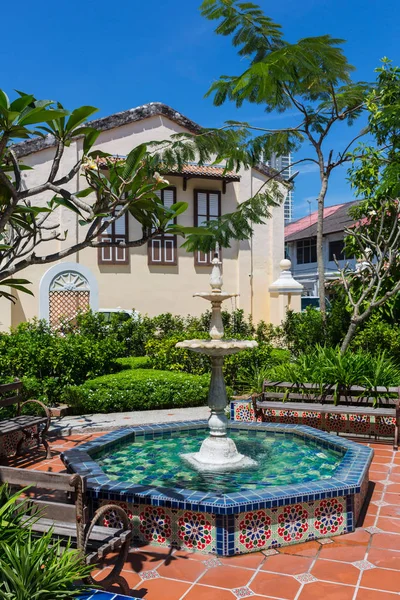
(118, 255)
(210, 255)
(162, 241)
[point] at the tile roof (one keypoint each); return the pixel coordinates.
(191, 170)
(336, 218)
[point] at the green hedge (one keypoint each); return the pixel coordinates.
(138, 389)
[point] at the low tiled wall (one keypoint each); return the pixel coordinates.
(242, 410)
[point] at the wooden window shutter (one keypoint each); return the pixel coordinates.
(207, 207)
(162, 250)
(118, 231)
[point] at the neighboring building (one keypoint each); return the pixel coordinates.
(301, 239)
(159, 276)
(283, 164)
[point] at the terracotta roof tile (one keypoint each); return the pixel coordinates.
(192, 170)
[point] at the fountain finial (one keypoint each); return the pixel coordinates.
(216, 275)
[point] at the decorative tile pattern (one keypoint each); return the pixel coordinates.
(363, 565)
(212, 562)
(373, 530)
(305, 578)
(149, 575)
(324, 541)
(243, 592)
(265, 518)
(270, 552)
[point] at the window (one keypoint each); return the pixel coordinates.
(336, 248)
(207, 207)
(162, 250)
(115, 232)
(306, 251)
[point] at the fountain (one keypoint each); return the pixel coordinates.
(218, 452)
(265, 486)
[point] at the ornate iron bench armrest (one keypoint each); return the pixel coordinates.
(41, 435)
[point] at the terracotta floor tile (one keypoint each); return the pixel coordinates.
(320, 590)
(183, 569)
(386, 540)
(381, 579)
(305, 549)
(390, 511)
(364, 594)
(391, 498)
(280, 586)
(395, 477)
(336, 572)
(131, 578)
(369, 521)
(372, 509)
(337, 551)
(226, 577)
(165, 589)
(249, 561)
(146, 560)
(202, 592)
(378, 459)
(193, 555)
(359, 537)
(394, 488)
(290, 565)
(386, 559)
(389, 524)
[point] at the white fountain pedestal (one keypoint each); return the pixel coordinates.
(218, 452)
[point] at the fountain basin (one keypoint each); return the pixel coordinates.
(246, 515)
(217, 347)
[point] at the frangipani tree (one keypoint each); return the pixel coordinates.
(375, 237)
(131, 184)
(311, 77)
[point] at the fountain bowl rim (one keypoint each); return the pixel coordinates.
(347, 481)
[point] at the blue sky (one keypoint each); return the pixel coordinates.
(120, 54)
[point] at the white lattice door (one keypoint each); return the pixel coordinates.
(69, 293)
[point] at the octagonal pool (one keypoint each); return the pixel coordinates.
(307, 484)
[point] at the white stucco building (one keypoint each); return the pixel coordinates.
(161, 276)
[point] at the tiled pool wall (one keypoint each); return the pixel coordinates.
(242, 410)
(233, 523)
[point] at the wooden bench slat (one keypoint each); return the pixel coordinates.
(8, 387)
(40, 479)
(18, 423)
(350, 400)
(326, 408)
(9, 401)
(328, 387)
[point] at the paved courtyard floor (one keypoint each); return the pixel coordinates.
(364, 565)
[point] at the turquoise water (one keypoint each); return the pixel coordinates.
(282, 460)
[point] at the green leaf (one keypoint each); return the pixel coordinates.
(66, 203)
(78, 116)
(20, 103)
(4, 101)
(89, 140)
(41, 115)
(133, 160)
(178, 208)
(84, 193)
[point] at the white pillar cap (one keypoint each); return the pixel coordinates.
(286, 284)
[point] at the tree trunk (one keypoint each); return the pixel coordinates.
(349, 336)
(320, 247)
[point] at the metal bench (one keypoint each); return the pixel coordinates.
(24, 423)
(68, 516)
(328, 400)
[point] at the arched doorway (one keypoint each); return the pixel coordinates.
(66, 289)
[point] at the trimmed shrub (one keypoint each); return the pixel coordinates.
(138, 389)
(133, 362)
(47, 361)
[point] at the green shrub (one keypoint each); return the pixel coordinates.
(163, 355)
(34, 568)
(134, 362)
(138, 389)
(378, 336)
(47, 361)
(328, 366)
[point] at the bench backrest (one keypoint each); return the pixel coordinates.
(10, 393)
(330, 394)
(38, 481)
